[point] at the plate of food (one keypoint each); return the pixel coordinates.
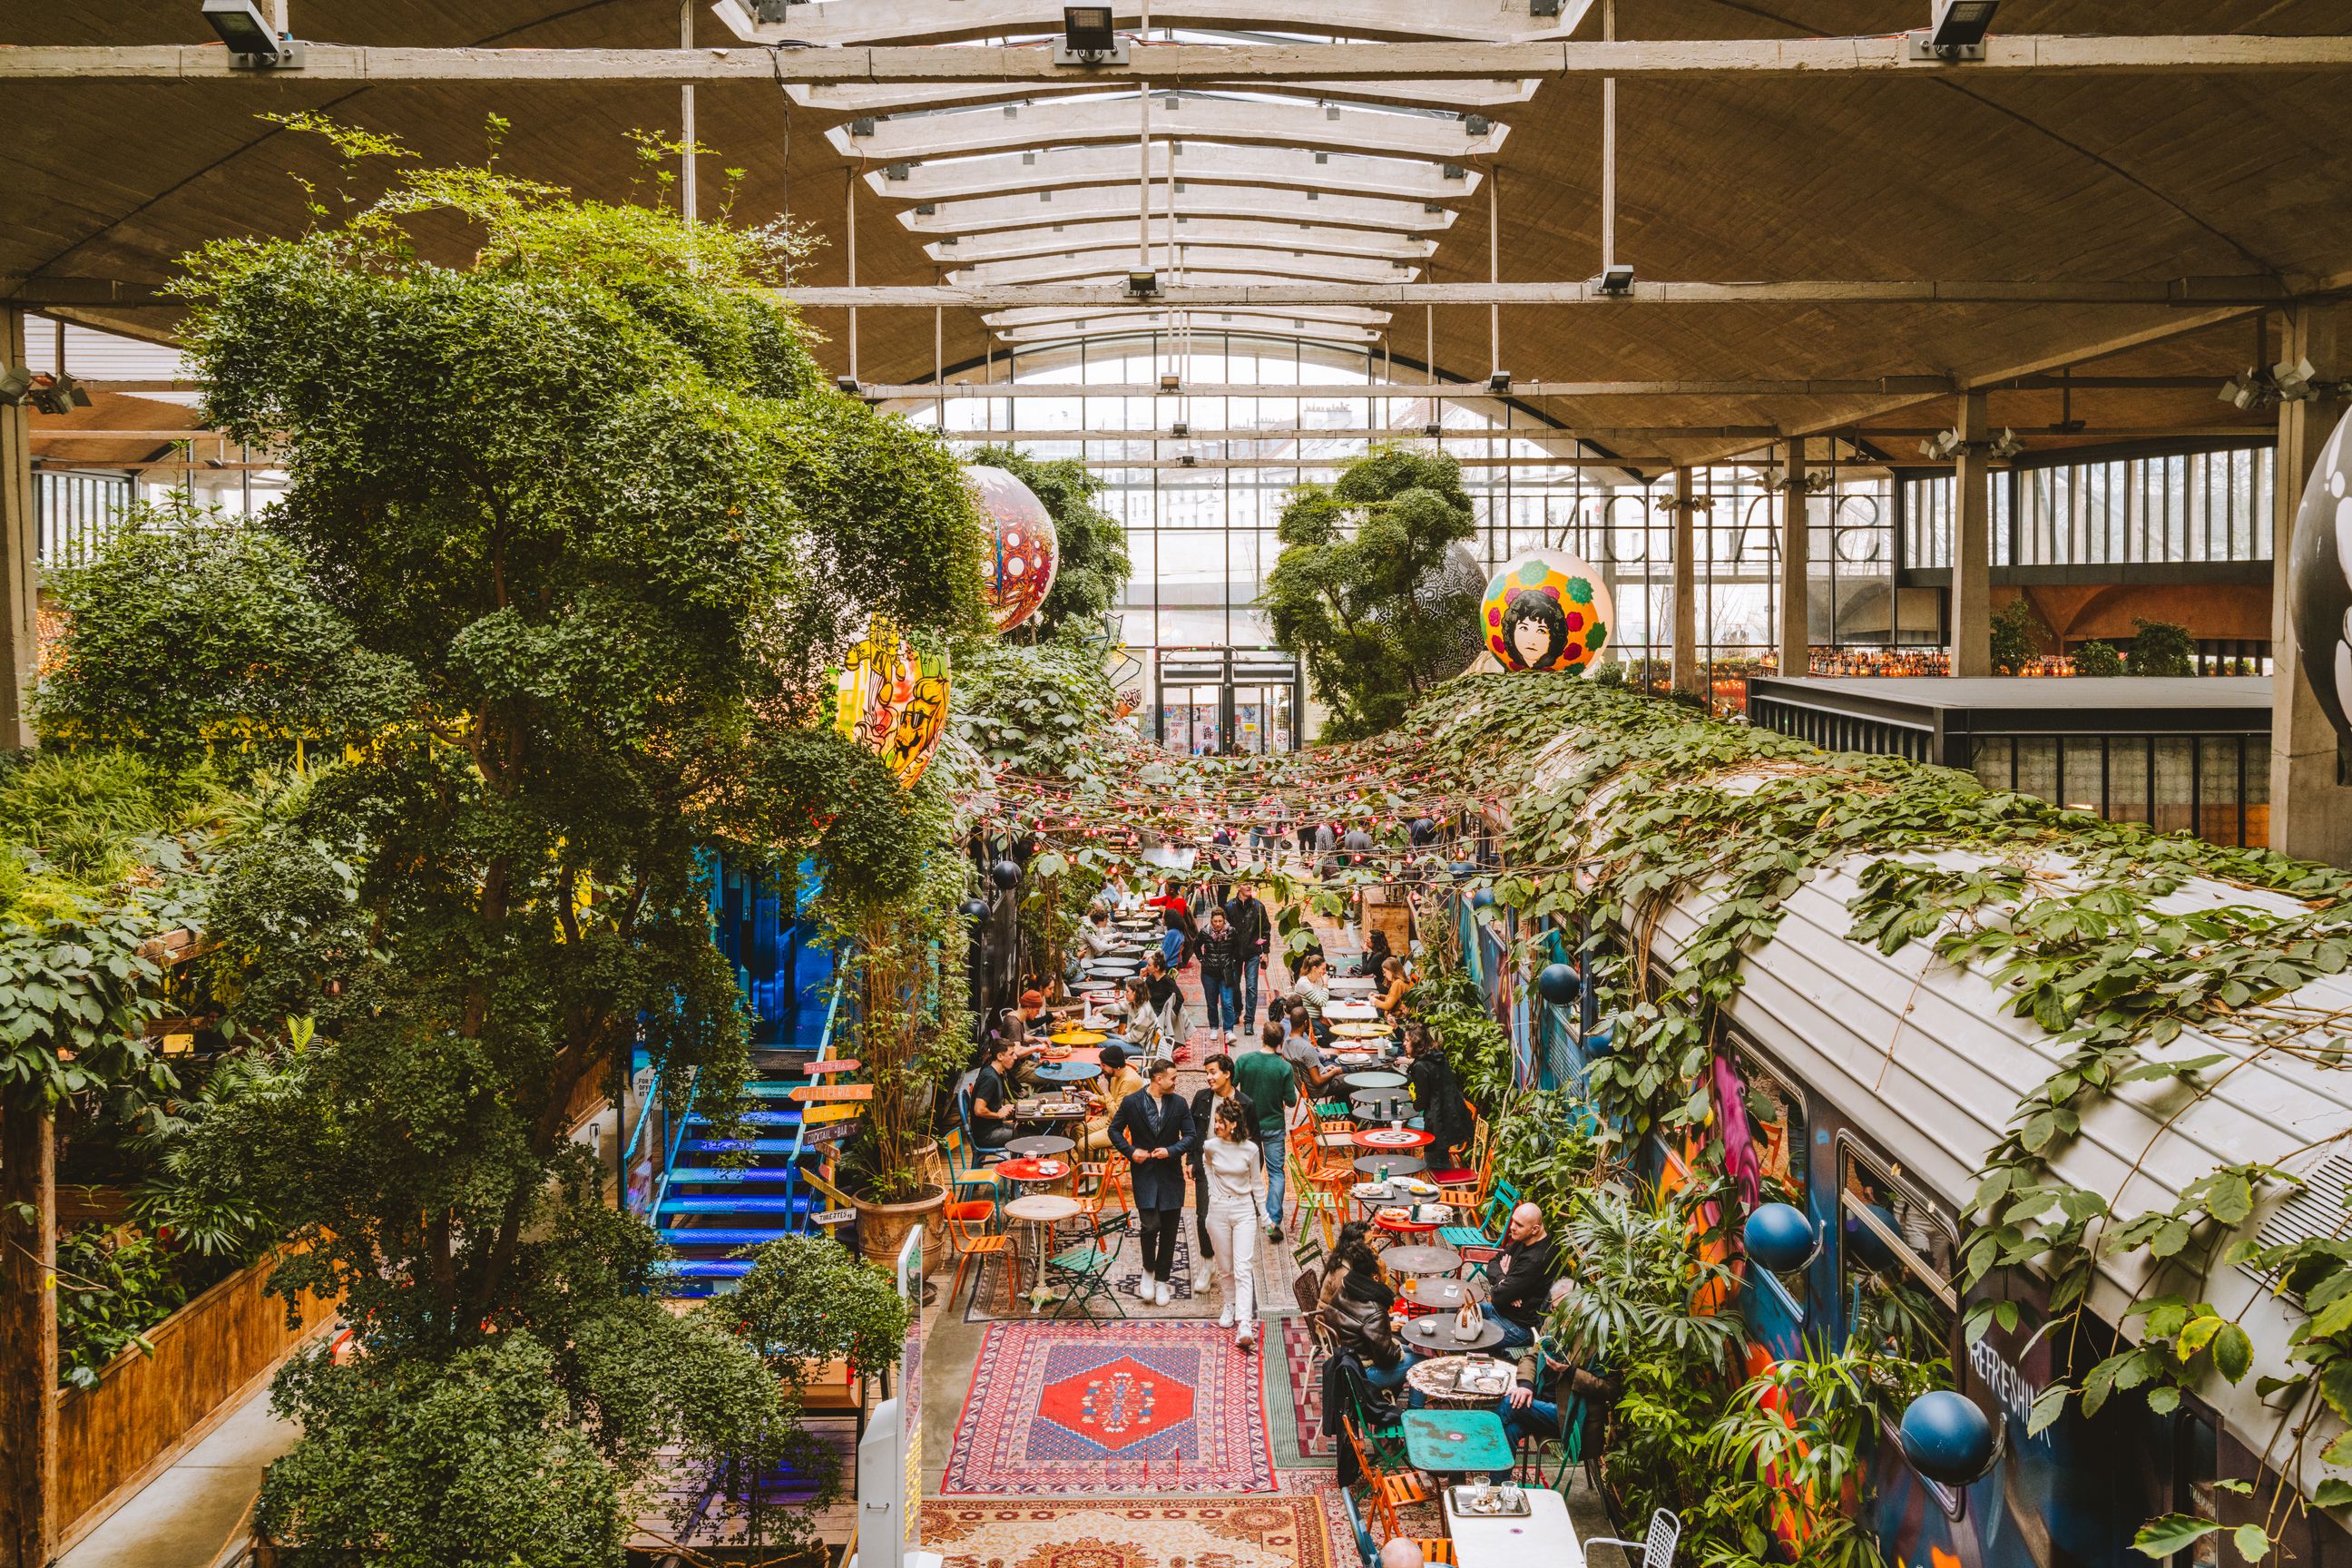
(1395, 1215)
(1391, 1137)
(1415, 1186)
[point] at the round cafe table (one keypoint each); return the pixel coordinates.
(1371, 1166)
(1033, 1172)
(1432, 1377)
(1434, 1335)
(1358, 986)
(1040, 1212)
(1380, 1105)
(1433, 1295)
(1374, 1077)
(1042, 1146)
(1071, 1071)
(1420, 1260)
(1390, 1139)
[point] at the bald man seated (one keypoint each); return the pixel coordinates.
(1401, 1552)
(1522, 1274)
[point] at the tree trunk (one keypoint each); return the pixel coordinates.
(28, 1332)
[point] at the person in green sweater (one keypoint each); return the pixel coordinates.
(1264, 1076)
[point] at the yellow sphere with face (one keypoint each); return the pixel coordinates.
(1546, 610)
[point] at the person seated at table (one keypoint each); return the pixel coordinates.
(1167, 996)
(991, 1099)
(1099, 936)
(1403, 1552)
(1355, 1306)
(1520, 1278)
(1305, 1061)
(1313, 987)
(1013, 1029)
(1115, 896)
(1144, 1030)
(1114, 1083)
(1178, 931)
(1444, 1114)
(1375, 959)
(1390, 998)
(1551, 1379)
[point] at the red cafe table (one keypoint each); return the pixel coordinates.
(1392, 1139)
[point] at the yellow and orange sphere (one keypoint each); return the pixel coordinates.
(891, 698)
(1546, 610)
(1025, 550)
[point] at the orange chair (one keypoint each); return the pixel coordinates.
(1386, 1489)
(1435, 1548)
(1467, 1187)
(973, 1238)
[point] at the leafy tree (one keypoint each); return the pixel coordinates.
(2016, 637)
(1350, 598)
(2098, 659)
(1094, 562)
(2161, 647)
(1033, 708)
(569, 540)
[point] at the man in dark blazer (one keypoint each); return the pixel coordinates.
(1153, 1128)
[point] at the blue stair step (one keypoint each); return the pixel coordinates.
(705, 1268)
(719, 1236)
(755, 1145)
(754, 1119)
(797, 1203)
(732, 1176)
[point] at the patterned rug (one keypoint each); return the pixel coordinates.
(1306, 1366)
(1197, 1533)
(1060, 1409)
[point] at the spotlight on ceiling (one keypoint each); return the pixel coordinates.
(1617, 280)
(1087, 39)
(1500, 380)
(60, 394)
(1179, 430)
(1142, 285)
(1169, 380)
(15, 383)
(2293, 378)
(1187, 459)
(2244, 390)
(252, 43)
(1436, 432)
(1943, 446)
(2005, 446)
(1477, 124)
(848, 385)
(1956, 31)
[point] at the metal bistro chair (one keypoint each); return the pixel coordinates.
(975, 1237)
(1658, 1546)
(1479, 1243)
(1082, 1271)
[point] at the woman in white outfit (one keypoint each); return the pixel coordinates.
(1236, 1174)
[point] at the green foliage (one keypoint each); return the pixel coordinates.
(1477, 1049)
(111, 1288)
(2098, 659)
(1094, 565)
(1349, 596)
(809, 1299)
(2159, 647)
(1803, 1429)
(2016, 637)
(1033, 708)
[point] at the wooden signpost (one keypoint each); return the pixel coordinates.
(831, 1093)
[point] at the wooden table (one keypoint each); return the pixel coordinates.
(1040, 1212)
(1457, 1442)
(1434, 1334)
(1544, 1535)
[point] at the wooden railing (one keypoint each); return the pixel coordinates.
(145, 1412)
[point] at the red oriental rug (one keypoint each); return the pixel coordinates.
(1188, 1532)
(1057, 1409)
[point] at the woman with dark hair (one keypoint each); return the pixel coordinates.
(1444, 1114)
(1356, 1303)
(1535, 630)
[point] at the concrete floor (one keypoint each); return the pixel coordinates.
(186, 1517)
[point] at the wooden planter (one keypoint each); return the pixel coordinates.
(145, 1412)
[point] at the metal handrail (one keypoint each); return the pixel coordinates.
(669, 1153)
(645, 1114)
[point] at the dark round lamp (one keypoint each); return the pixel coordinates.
(1484, 898)
(1947, 1437)
(1461, 868)
(1558, 983)
(975, 908)
(1006, 875)
(1779, 1236)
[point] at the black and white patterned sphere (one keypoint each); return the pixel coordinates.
(2320, 578)
(1451, 588)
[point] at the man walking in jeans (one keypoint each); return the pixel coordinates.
(1254, 929)
(1264, 1076)
(1221, 971)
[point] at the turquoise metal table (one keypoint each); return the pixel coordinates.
(1066, 1073)
(1454, 1442)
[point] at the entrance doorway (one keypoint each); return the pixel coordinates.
(1217, 701)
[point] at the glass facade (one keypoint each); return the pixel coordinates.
(2173, 507)
(2215, 786)
(73, 513)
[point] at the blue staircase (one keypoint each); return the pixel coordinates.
(713, 1195)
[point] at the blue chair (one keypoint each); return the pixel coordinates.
(1370, 1553)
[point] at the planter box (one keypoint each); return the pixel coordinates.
(144, 1412)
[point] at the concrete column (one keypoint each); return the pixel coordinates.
(1685, 606)
(1972, 544)
(2311, 810)
(19, 580)
(1796, 605)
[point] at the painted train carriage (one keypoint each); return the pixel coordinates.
(1875, 1087)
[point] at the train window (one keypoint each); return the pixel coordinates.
(1896, 1263)
(1776, 1126)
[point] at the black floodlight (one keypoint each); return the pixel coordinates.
(848, 385)
(1142, 285)
(1179, 430)
(1434, 431)
(1477, 124)
(1617, 280)
(1499, 382)
(1169, 380)
(862, 126)
(1087, 39)
(1957, 32)
(1188, 459)
(253, 44)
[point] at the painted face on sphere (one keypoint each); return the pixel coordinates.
(1530, 639)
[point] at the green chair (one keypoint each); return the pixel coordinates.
(1478, 1243)
(963, 1175)
(1082, 1271)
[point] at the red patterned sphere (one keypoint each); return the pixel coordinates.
(1025, 549)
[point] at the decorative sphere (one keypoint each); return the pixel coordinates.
(1461, 868)
(1546, 610)
(2320, 578)
(1947, 1437)
(1025, 550)
(1484, 898)
(975, 908)
(1558, 983)
(1006, 874)
(891, 698)
(1601, 1044)
(1449, 592)
(1864, 1240)
(1779, 1236)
